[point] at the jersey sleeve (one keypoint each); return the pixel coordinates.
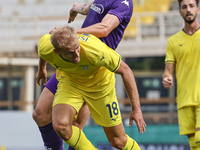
(98, 53)
(107, 57)
(170, 58)
(122, 9)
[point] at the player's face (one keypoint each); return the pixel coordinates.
(189, 10)
(73, 54)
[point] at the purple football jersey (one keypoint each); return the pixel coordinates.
(123, 9)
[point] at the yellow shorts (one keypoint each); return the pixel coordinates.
(188, 119)
(104, 110)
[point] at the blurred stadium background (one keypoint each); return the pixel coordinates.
(23, 22)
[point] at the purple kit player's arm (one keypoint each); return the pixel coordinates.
(107, 20)
(78, 9)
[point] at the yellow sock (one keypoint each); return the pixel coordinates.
(197, 138)
(131, 144)
(79, 141)
(193, 146)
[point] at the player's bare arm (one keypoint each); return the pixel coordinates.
(131, 88)
(103, 28)
(168, 75)
(77, 8)
(42, 72)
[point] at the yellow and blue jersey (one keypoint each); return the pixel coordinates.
(184, 51)
(95, 70)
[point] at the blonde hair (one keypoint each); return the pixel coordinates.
(63, 38)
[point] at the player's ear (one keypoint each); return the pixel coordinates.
(197, 10)
(55, 51)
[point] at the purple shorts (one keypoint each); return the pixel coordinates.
(52, 84)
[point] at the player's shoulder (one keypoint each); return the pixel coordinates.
(87, 38)
(177, 35)
(45, 38)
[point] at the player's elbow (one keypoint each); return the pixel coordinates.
(105, 32)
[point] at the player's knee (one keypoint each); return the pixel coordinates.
(197, 138)
(35, 115)
(63, 129)
(118, 143)
(39, 116)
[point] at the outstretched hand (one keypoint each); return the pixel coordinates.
(136, 115)
(72, 13)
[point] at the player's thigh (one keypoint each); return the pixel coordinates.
(187, 120)
(67, 94)
(45, 102)
(83, 116)
(63, 114)
(105, 110)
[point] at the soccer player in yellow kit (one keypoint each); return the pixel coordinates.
(183, 53)
(85, 71)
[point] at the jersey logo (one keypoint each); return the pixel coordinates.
(114, 119)
(102, 57)
(125, 2)
(98, 8)
(85, 67)
(57, 66)
(181, 44)
(83, 38)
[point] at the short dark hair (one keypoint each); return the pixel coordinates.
(179, 2)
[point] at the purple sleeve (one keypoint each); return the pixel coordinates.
(122, 9)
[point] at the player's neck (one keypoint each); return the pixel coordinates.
(191, 28)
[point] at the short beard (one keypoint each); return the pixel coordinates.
(189, 21)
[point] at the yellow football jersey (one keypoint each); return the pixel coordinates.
(184, 51)
(95, 70)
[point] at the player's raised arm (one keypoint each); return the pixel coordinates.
(131, 89)
(77, 8)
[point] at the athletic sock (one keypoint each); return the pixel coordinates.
(51, 138)
(79, 141)
(197, 138)
(131, 144)
(71, 148)
(193, 146)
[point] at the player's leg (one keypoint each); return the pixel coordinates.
(197, 133)
(82, 118)
(43, 111)
(118, 138)
(191, 139)
(105, 112)
(43, 116)
(63, 115)
(187, 121)
(65, 107)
